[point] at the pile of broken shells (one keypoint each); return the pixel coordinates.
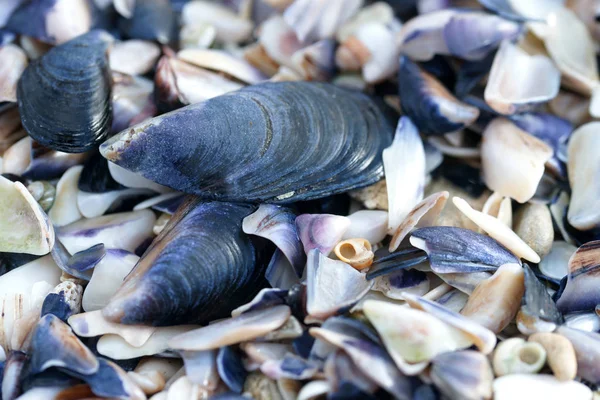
(299, 199)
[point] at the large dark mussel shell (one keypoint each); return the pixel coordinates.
(64, 97)
(272, 142)
(198, 269)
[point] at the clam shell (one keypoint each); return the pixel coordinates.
(275, 135)
(64, 97)
(223, 274)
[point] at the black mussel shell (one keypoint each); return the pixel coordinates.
(273, 142)
(151, 20)
(199, 268)
(64, 97)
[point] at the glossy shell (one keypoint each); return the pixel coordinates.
(199, 268)
(64, 97)
(274, 142)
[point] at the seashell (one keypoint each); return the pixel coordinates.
(231, 370)
(577, 63)
(133, 57)
(516, 356)
(220, 61)
(423, 214)
(177, 83)
(509, 90)
(264, 299)
(277, 224)
(378, 12)
(24, 225)
(555, 265)
(12, 371)
(201, 368)
(230, 27)
(538, 310)
(571, 106)
(132, 180)
(497, 230)
(314, 20)
(111, 381)
(131, 100)
(14, 62)
(43, 192)
(321, 231)
(495, 302)
(560, 354)
(463, 374)
(368, 224)
(201, 35)
(33, 161)
(586, 351)
(51, 22)
(117, 348)
(55, 345)
(373, 196)
(500, 208)
(124, 7)
(480, 336)
(370, 359)
(278, 43)
(332, 286)
(80, 264)
(152, 373)
(259, 352)
(314, 389)
(257, 55)
(63, 301)
(432, 108)
(280, 273)
(552, 130)
(503, 141)
(88, 119)
(397, 283)
(533, 224)
(230, 331)
(151, 20)
(454, 300)
(404, 166)
(546, 386)
(412, 337)
(124, 231)
(356, 252)
(92, 323)
(239, 273)
(583, 214)
(316, 61)
(10, 128)
(290, 367)
(580, 293)
(470, 35)
(460, 250)
(295, 186)
(446, 148)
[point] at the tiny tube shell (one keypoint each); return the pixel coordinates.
(512, 160)
(356, 252)
(560, 354)
(516, 356)
(495, 302)
(497, 230)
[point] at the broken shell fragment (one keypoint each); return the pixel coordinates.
(559, 353)
(581, 292)
(356, 252)
(497, 230)
(133, 57)
(516, 356)
(423, 214)
(495, 302)
(582, 166)
(13, 62)
(538, 309)
(24, 227)
(555, 265)
(460, 250)
(321, 231)
(511, 387)
(91, 324)
(220, 61)
(404, 166)
(432, 108)
(511, 88)
(463, 374)
(368, 224)
(230, 27)
(587, 352)
(512, 160)
(533, 224)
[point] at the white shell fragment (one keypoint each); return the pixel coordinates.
(230, 27)
(519, 81)
(583, 168)
(91, 324)
(65, 210)
(13, 62)
(556, 264)
(404, 165)
(24, 227)
(220, 61)
(529, 386)
(512, 160)
(245, 327)
(133, 57)
(332, 285)
(321, 231)
(367, 224)
(497, 230)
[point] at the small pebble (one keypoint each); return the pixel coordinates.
(533, 224)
